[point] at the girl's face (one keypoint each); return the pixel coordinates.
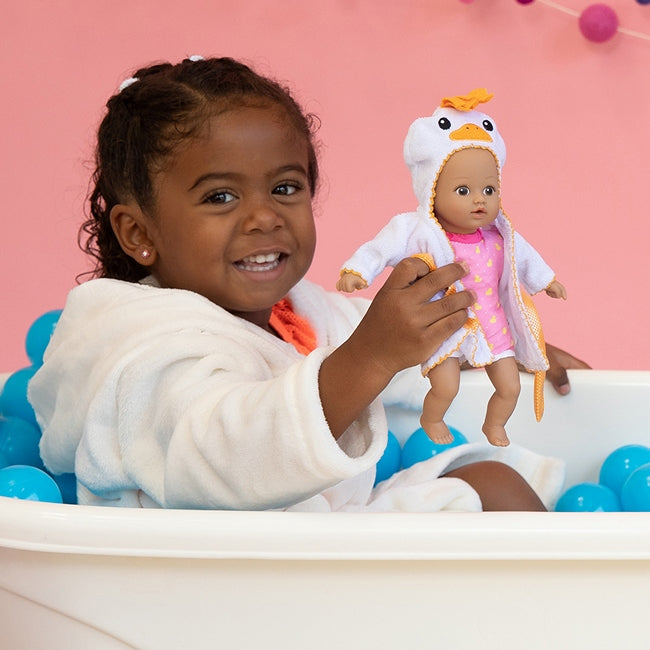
(232, 218)
(467, 192)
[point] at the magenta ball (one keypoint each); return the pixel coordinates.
(598, 23)
(525, 2)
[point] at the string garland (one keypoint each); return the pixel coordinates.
(597, 22)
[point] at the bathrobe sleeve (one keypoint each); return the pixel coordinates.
(534, 273)
(401, 237)
(159, 397)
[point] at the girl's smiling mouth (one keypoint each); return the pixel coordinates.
(260, 263)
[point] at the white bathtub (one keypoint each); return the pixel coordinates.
(95, 578)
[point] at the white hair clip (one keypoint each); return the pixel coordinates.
(127, 82)
(196, 57)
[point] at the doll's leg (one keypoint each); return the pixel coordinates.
(504, 376)
(445, 380)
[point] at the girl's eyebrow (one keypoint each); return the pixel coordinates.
(212, 176)
(219, 176)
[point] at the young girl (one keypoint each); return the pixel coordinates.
(455, 157)
(199, 370)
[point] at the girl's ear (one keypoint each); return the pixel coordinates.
(132, 228)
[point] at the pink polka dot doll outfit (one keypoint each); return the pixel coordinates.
(430, 141)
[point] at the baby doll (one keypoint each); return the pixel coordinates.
(455, 157)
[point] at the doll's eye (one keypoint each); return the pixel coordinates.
(488, 126)
(444, 123)
(489, 191)
(463, 190)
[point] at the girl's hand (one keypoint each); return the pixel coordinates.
(561, 361)
(401, 328)
(556, 290)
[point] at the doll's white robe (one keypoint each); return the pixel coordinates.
(416, 232)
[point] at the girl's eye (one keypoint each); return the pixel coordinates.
(489, 191)
(220, 197)
(463, 190)
(286, 189)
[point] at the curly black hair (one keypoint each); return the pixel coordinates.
(147, 120)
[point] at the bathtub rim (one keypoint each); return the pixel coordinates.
(95, 530)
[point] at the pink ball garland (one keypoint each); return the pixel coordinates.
(598, 23)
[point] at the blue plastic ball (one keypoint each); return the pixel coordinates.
(13, 398)
(29, 483)
(420, 447)
(19, 442)
(635, 493)
(39, 335)
(68, 485)
(391, 460)
(618, 466)
(588, 497)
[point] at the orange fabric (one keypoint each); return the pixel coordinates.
(467, 102)
(292, 328)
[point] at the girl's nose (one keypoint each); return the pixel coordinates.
(263, 216)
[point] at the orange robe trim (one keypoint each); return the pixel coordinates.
(292, 328)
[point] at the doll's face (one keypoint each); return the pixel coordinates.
(467, 192)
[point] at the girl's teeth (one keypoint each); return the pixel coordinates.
(261, 259)
(260, 262)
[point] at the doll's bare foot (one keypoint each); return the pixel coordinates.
(496, 435)
(437, 431)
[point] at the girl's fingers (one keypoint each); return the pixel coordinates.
(414, 271)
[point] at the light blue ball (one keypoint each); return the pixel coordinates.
(588, 497)
(28, 483)
(19, 442)
(420, 447)
(391, 460)
(618, 466)
(39, 335)
(13, 398)
(635, 493)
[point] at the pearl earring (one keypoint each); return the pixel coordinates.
(145, 254)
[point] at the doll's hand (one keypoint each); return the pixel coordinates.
(350, 282)
(556, 290)
(561, 361)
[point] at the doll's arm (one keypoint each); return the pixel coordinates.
(556, 290)
(533, 272)
(390, 245)
(350, 281)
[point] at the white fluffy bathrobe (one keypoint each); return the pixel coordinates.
(157, 397)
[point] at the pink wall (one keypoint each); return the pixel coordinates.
(574, 115)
